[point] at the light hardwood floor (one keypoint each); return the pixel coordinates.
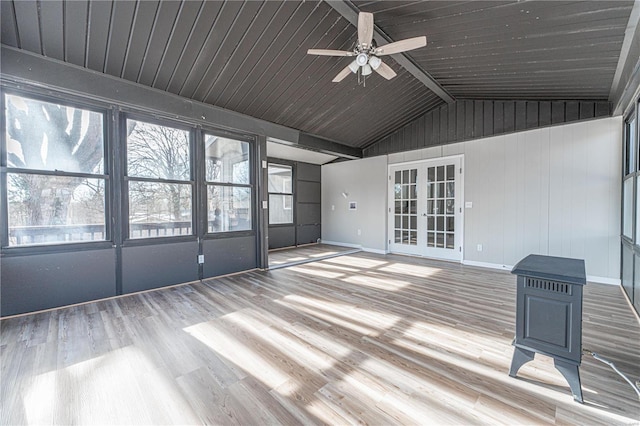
(304, 254)
(359, 338)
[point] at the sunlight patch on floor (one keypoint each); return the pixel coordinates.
(288, 260)
(315, 272)
(339, 317)
(123, 386)
(326, 253)
(236, 349)
(358, 262)
(409, 269)
(377, 283)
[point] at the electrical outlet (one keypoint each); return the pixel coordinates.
(333, 207)
(201, 258)
(479, 248)
(359, 231)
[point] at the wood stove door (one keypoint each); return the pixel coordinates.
(425, 211)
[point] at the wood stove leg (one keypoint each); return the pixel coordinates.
(520, 357)
(572, 374)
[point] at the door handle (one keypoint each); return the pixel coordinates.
(424, 214)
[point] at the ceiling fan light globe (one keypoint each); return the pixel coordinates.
(366, 69)
(362, 59)
(374, 61)
(353, 66)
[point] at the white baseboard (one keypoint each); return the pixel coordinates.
(487, 265)
(336, 243)
(358, 246)
(376, 251)
(590, 278)
(603, 280)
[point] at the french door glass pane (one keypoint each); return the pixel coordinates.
(441, 206)
(406, 206)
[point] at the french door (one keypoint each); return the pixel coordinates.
(425, 211)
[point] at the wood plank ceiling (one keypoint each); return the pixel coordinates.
(250, 56)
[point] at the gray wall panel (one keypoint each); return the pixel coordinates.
(308, 192)
(308, 213)
(282, 236)
(158, 265)
(43, 281)
(308, 234)
(306, 171)
(472, 119)
(572, 111)
(228, 255)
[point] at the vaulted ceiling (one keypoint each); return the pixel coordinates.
(250, 56)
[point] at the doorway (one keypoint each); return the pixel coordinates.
(425, 211)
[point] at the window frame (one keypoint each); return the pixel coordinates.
(205, 184)
(630, 173)
(291, 165)
(70, 101)
(127, 240)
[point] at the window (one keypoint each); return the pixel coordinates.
(229, 188)
(280, 194)
(160, 187)
(55, 174)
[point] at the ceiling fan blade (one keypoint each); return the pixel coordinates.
(401, 46)
(342, 74)
(329, 52)
(385, 71)
(365, 29)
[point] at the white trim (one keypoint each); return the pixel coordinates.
(487, 265)
(408, 163)
(590, 278)
(459, 233)
(604, 280)
(357, 246)
(335, 243)
(377, 251)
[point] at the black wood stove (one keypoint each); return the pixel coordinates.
(549, 315)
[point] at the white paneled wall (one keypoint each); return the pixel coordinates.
(553, 191)
(364, 182)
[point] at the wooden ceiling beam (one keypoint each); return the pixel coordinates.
(350, 12)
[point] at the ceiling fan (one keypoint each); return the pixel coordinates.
(367, 53)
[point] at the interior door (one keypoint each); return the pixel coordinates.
(425, 211)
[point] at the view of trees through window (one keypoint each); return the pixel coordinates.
(58, 185)
(55, 172)
(159, 172)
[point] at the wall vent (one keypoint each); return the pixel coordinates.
(546, 285)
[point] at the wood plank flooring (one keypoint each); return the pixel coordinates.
(356, 339)
(304, 254)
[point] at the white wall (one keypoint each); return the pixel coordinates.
(553, 191)
(366, 183)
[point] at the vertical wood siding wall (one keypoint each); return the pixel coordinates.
(472, 119)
